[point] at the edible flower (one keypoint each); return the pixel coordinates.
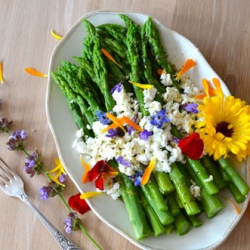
(190, 63)
(142, 85)
(111, 58)
(209, 90)
(118, 87)
(115, 121)
(190, 107)
(145, 134)
(224, 126)
(100, 170)
(57, 171)
(102, 117)
(1, 72)
(114, 132)
(121, 160)
(34, 72)
(16, 140)
(192, 146)
(119, 122)
(55, 35)
(87, 168)
(148, 171)
(71, 223)
(77, 204)
(159, 119)
(88, 195)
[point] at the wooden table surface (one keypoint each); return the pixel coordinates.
(220, 29)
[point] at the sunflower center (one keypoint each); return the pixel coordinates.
(223, 128)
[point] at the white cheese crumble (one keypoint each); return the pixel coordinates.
(131, 147)
(210, 178)
(195, 190)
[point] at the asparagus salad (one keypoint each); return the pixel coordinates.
(141, 134)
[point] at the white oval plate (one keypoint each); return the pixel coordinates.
(214, 231)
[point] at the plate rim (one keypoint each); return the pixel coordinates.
(96, 212)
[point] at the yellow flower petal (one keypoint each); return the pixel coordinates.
(55, 35)
(1, 72)
(88, 195)
(142, 85)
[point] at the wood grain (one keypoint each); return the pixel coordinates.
(221, 31)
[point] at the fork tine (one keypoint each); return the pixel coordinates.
(9, 169)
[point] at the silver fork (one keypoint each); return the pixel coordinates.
(12, 185)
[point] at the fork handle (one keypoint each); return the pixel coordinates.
(62, 240)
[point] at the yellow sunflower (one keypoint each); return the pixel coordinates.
(224, 126)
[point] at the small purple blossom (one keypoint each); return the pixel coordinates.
(69, 222)
(16, 140)
(103, 118)
(159, 119)
(30, 163)
(175, 139)
(62, 178)
(46, 192)
(130, 128)
(115, 132)
(5, 124)
(136, 178)
(190, 107)
(145, 134)
(121, 160)
(118, 87)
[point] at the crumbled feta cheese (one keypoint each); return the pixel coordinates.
(112, 188)
(210, 178)
(166, 79)
(195, 190)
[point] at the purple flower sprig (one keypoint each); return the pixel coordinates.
(190, 107)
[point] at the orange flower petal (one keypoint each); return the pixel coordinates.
(161, 71)
(55, 35)
(111, 126)
(142, 85)
(87, 168)
(115, 120)
(190, 63)
(1, 72)
(34, 72)
(217, 85)
(111, 58)
(125, 119)
(148, 171)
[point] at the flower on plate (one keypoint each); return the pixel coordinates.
(159, 119)
(100, 170)
(224, 126)
(145, 134)
(103, 118)
(192, 146)
(190, 107)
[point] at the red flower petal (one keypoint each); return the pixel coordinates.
(77, 204)
(192, 146)
(99, 183)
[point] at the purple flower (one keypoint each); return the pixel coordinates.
(130, 128)
(115, 132)
(190, 107)
(159, 119)
(121, 160)
(145, 134)
(69, 222)
(175, 139)
(5, 124)
(46, 192)
(118, 87)
(103, 118)
(30, 163)
(16, 140)
(136, 178)
(62, 178)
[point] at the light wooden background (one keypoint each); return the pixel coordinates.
(220, 29)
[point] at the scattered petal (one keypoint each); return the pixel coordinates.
(190, 63)
(142, 85)
(111, 58)
(1, 72)
(145, 134)
(87, 168)
(55, 35)
(148, 171)
(34, 72)
(78, 204)
(88, 195)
